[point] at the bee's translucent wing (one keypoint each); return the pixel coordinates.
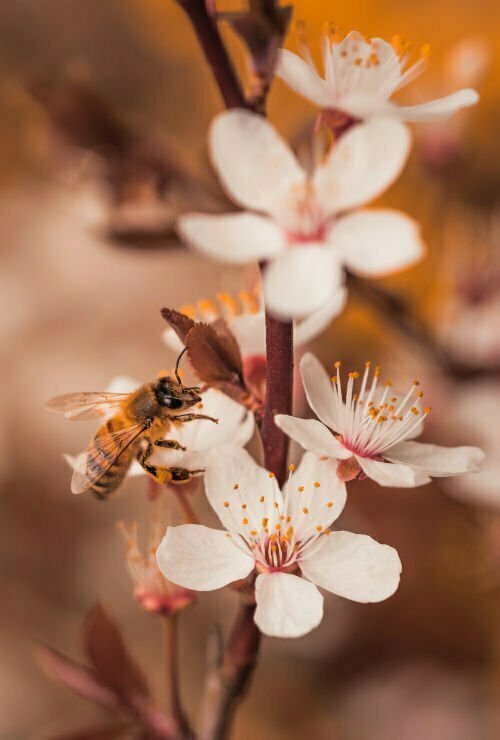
(101, 454)
(83, 406)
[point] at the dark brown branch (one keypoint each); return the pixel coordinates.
(279, 387)
(228, 680)
(215, 52)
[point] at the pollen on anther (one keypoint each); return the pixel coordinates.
(291, 467)
(276, 505)
(337, 364)
(427, 409)
(305, 510)
(261, 499)
(316, 484)
(271, 475)
(278, 527)
(319, 527)
(300, 489)
(265, 521)
(334, 379)
(226, 504)
(244, 521)
(235, 487)
(282, 517)
(416, 382)
(253, 532)
(330, 504)
(288, 519)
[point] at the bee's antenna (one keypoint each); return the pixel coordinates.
(177, 366)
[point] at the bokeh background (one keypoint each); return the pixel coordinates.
(88, 257)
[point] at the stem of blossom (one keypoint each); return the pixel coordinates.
(172, 639)
(226, 683)
(215, 53)
(279, 389)
(187, 510)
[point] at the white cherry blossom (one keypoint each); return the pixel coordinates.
(283, 539)
(236, 425)
(307, 227)
(360, 75)
(370, 430)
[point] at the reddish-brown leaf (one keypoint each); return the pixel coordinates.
(214, 354)
(179, 322)
(76, 677)
(110, 658)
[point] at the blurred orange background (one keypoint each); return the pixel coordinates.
(83, 277)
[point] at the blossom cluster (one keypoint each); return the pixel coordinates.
(307, 228)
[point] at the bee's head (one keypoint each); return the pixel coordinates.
(175, 396)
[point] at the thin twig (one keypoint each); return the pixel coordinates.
(187, 510)
(228, 679)
(215, 52)
(172, 640)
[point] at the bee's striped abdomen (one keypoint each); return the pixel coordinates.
(117, 471)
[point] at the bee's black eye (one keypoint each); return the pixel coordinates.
(172, 403)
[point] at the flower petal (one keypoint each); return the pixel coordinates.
(204, 559)
(439, 108)
(315, 496)
(287, 606)
(436, 460)
(319, 392)
(302, 77)
(354, 566)
(255, 165)
(377, 242)
(316, 323)
(312, 435)
(362, 164)
(301, 281)
(392, 474)
(123, 384)
(241, 492)
(237, 238)
(250, 333)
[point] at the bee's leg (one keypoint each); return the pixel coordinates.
(162, 474)
(171, 444)
(191, 417)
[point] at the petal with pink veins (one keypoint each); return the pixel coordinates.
(203, 559)
(362, 164)
(354, 566)
(377, 242)
(436, 109)
(301, 281)
(312, 435)
(235, 485)
(303, 78)
(253, 162)
(320, 393)
(391, 474)
(287, 606)
(436, 460)
(237, 238)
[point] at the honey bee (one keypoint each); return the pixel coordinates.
(139, 423)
